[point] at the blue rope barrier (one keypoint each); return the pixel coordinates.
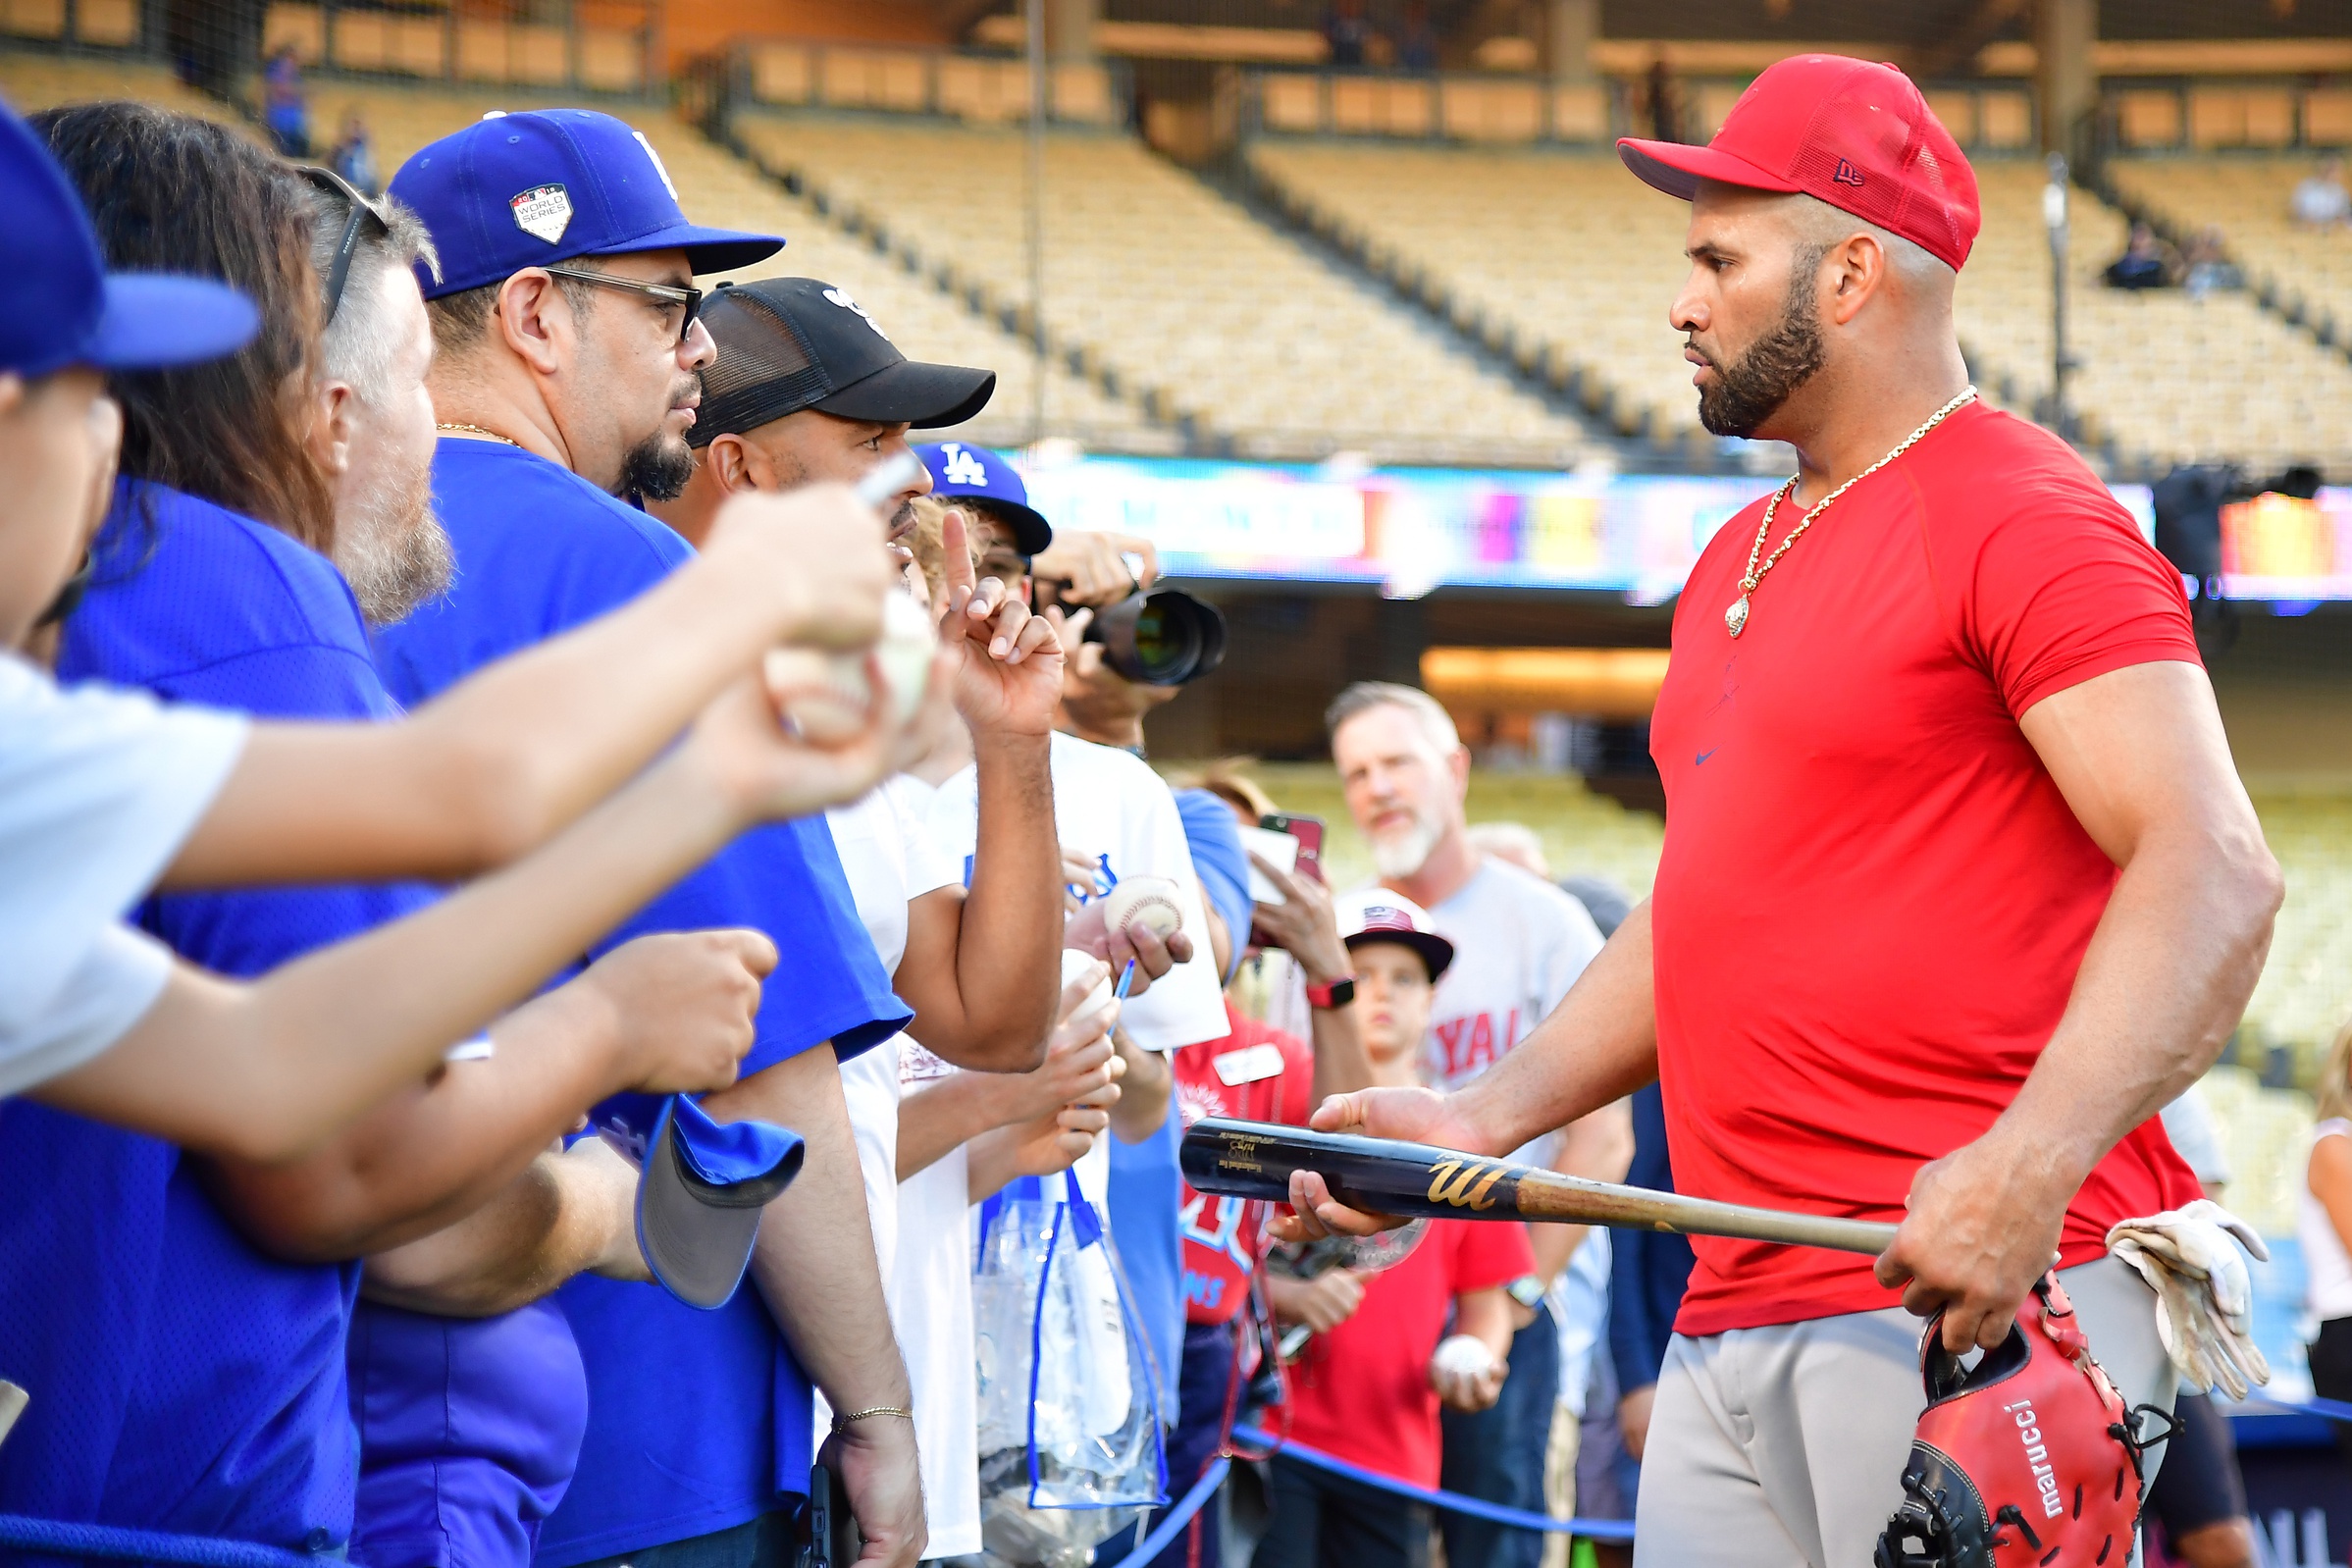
(2326, 1409)
(64, 1539)
(1177, 1517)
(1617, 1531)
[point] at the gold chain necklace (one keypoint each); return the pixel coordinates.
(1735, 619)
(477, 430)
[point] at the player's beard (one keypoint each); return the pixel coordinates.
(392, 550)
(1404, 851)
(1752, 388)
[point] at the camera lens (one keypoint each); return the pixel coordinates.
(1161, 638)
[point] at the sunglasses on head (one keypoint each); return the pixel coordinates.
(365, 210)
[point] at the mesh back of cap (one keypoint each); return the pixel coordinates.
(765, 369)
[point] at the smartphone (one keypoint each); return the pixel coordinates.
(1308, 830)
(833, 1541)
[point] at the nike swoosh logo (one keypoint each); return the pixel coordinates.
(1700, 760)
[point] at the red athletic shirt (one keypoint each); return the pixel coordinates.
(1362, 1392)
(1255, 1075)
(1873, 900)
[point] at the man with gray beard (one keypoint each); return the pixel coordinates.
(372, 430)
(1520, 943)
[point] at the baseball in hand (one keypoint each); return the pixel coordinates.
(1145, 902)
(1462, 1356)
(826, 694)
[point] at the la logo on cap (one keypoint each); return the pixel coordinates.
(963, 468)
(841, 297)
(542, 211)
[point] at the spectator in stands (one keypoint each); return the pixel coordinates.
(1368, 1388)
(2206, 265)
(1522, 944)
(2323, 1225)
(222, 1394)
(1417, 39)
(566, 379)
(285, 102)
(1664, 98)
(1115, 819)
(2143, 264)
(2320, 199)
(1346, 34)
(354, 155)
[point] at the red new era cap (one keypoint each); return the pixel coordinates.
(1855, 135)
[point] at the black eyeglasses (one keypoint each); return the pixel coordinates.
(365, 209)
(659, 293)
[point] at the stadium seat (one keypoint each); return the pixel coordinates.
(1178, 289)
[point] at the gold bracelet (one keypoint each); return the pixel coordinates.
(841, 1423)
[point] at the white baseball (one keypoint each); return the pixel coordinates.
(1149, 902)
(826, 694)
(1462, 1356)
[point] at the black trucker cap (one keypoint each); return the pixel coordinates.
(789, 344)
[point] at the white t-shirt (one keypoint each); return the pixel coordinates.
(2326, 1268)
(889, 861)
(1112, 807)
(99, 790)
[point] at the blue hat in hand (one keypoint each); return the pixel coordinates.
(700, 1187)
(516, 190)
(960, 468)
(63, 308)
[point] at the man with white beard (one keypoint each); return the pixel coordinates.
(1520, 943)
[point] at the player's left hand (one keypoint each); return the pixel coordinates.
(1009, 675)
(1983, 1226)
(877, 1466)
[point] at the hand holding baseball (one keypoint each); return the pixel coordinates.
(1466, 1373)
(1138, 921)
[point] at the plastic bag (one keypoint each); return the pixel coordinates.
(1070, 1427)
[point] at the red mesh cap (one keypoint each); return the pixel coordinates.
(1855, 135)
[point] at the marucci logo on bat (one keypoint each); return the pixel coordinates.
(1465, 1183)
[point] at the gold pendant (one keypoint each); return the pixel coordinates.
(1736, 617)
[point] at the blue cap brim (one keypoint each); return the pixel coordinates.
(707, 249)
(699, 1193)
(152, 321)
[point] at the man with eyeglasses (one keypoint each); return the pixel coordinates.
(565, 384)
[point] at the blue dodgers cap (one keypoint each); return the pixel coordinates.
(699, 1192)
(64, 308)
(959, 468)
(530, 189)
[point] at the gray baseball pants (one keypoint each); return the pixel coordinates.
(1784, 1446)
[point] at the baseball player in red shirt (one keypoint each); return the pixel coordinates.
(1959, 884)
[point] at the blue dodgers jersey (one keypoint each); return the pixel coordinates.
(540, 551)
(470, 1429)
(180, 1380)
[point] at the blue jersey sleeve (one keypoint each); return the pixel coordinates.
(540, 551)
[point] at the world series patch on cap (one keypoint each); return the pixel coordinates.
(547, 185)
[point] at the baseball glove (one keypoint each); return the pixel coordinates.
(2030, 1457)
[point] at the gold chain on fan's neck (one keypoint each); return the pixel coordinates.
(1735, 619)
(456, 428)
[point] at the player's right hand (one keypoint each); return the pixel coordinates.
(1414, 1116)
(682, 1005)
(816, 558)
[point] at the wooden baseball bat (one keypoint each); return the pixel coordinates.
(1255, 1160)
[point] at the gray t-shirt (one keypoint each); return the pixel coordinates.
(1519, 945)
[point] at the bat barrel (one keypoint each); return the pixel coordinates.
(1255, 1160)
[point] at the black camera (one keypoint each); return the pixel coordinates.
(1161, 637)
